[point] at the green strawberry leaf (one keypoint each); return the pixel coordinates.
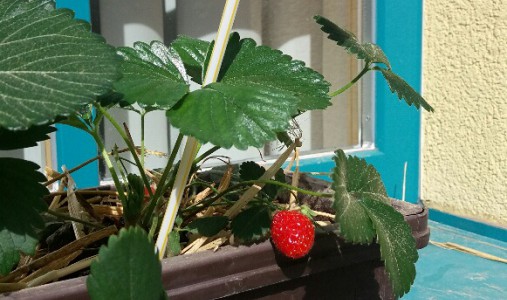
(21, 203)
(397, 245)
(246, 64)
(251, 224)
(193, 53)
(307, 211)
(51, 64)
(173, 243)
(228, 115)
(250, 170)
(130, 265)
(250, 65)
(371, 53)
(354, 180)
(24, 138)
(272, 190)
(153, 75)
(258, 87)
(363, 212)
(404, 90)
(178, 221)
(208, 226)
(111, 98)
(135, 197)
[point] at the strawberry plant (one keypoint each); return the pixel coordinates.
(54, 70)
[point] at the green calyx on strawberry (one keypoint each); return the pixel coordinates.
(292, 233)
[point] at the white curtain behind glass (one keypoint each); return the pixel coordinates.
(284, 24)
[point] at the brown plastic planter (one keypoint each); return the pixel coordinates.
(333, 270)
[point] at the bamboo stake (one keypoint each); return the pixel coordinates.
(192, 145)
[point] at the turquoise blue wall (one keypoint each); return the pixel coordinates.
(73, 145)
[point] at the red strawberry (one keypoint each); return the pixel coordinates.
(292, 233)
(147, 193)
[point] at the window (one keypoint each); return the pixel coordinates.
(286, 25)
(386, 128)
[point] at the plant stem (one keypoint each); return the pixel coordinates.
(70, 171)
(109, 164)
(193, 209)
(208, 202)
(348, 85)
(142, 138)
(153, 227)
(120, 165)
(154, 221)
(170, 164)
(204, 184)
(129, 145)
(286, 186)
(295, 180)
(162, 184)
(206, 154)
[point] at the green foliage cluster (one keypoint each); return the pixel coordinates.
(53, 69)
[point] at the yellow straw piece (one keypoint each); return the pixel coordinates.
(192, 145)
(461, 248)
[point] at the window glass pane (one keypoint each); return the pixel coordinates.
(287, 25)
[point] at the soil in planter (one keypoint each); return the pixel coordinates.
(108, 211)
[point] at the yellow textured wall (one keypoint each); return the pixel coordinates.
(464, 141)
